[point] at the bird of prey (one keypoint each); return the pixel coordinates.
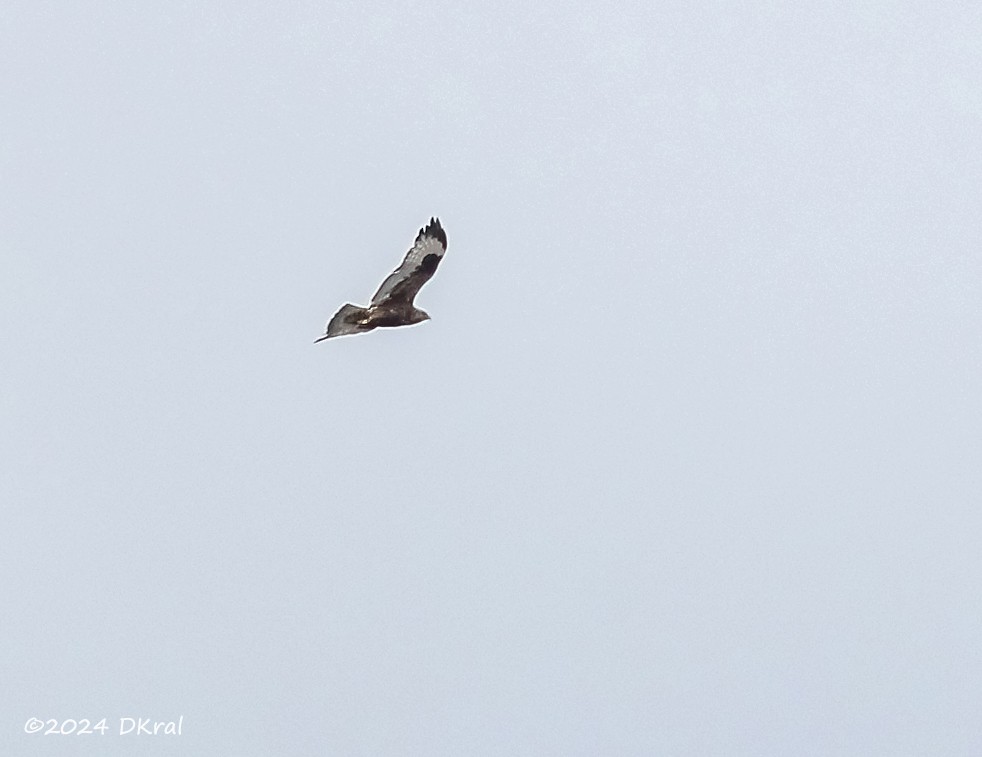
(392, 304)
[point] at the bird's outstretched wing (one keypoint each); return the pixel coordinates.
(417, 268)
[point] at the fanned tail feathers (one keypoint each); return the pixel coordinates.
(345, 321)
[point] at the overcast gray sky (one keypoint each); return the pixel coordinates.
(686, 462)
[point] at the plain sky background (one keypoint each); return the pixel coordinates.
(687, 461)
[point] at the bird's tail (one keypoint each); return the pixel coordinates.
(348, 320)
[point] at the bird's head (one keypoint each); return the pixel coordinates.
(420, 315)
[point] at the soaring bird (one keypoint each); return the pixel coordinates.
(392, 304)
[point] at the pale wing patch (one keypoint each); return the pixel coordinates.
(425, 245)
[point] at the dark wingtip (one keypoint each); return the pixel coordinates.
(435, 230)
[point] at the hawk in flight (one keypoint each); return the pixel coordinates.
(392, 304)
